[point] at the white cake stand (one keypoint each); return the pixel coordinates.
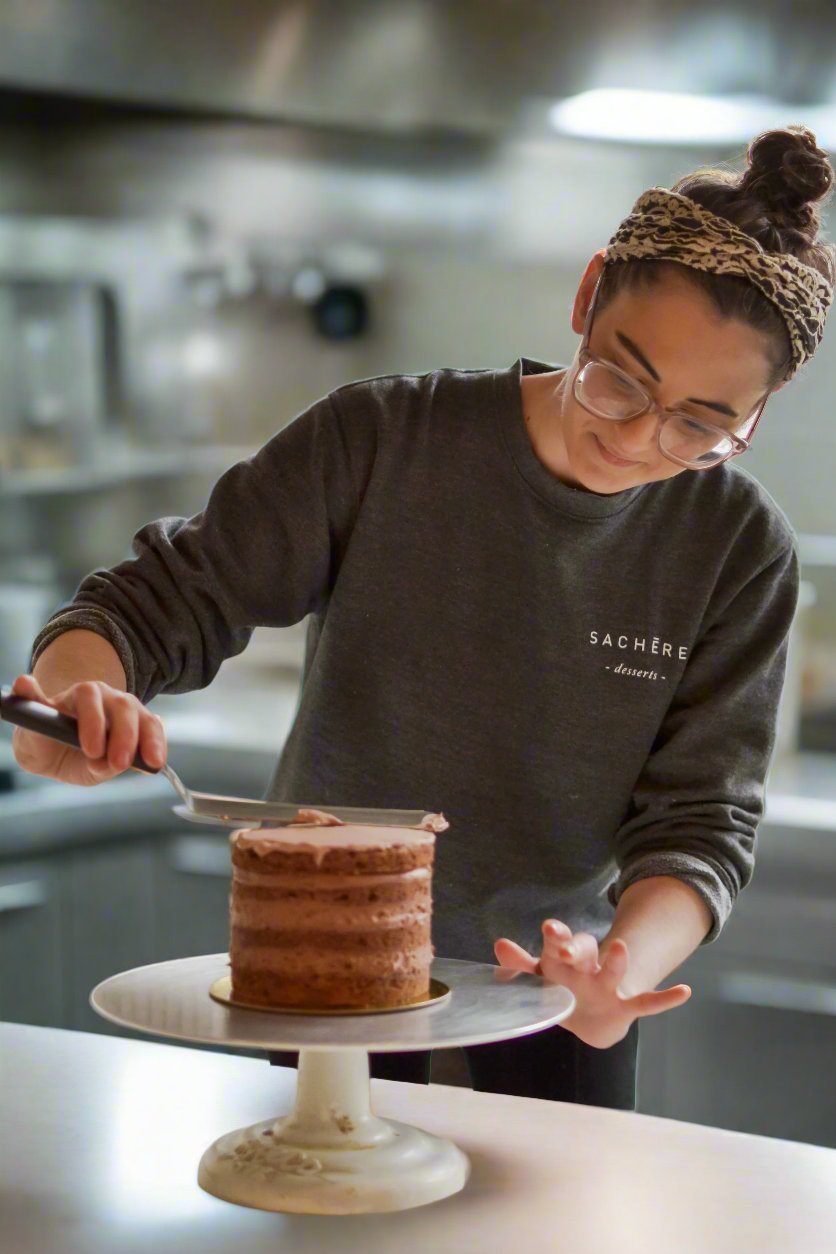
(331, 1155)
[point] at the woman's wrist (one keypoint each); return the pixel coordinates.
(77, 655)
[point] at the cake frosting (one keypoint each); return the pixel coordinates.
(326, 914)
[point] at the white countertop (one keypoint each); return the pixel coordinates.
(101, 1139)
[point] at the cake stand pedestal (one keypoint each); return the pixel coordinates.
(331, 1155)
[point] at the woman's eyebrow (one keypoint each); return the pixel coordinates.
(645, 364)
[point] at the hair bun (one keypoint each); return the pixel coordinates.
(788, 173)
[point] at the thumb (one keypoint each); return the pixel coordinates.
(28, 686)
(65, 700)
(657, 1002)
(512, 955)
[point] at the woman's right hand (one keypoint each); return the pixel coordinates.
(112, 725)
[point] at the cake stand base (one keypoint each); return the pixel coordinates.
(332, 1156)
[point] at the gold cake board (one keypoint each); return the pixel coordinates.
(221, 990)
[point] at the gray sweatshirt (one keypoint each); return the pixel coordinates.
(585, 685)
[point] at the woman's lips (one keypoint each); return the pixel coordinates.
(611, 457)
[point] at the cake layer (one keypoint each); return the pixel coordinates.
(279, 856)
(327, 914)
(298, 881)
(347, 835)
(331, 915)
(266, 988)
(296, 960)
(367, 939)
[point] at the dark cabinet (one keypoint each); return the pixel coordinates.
(749, 1068)
(108, 891)
(31, 943)
(70, 919)
(190, 911)
(753, 1049)
(192, 875)
(116, 883)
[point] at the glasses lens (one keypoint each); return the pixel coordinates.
(694, 442)
(607, 393)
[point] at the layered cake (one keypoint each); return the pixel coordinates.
(327, 914)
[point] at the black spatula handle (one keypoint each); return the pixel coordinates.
(47, 721)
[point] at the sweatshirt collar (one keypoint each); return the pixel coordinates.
(569, 500)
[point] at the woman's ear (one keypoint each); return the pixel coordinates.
(583, 297)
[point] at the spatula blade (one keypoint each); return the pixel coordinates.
(239, 811)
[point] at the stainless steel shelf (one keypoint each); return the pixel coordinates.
(121, 466)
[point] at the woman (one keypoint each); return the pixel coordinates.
(544, 600)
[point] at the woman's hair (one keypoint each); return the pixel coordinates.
(777, 200)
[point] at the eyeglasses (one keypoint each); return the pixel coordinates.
(608, 392)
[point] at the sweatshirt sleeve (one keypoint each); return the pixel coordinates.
(265, 551)
(697, 803)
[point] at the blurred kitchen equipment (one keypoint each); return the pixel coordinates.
(57, 371)
(342, 312)
(29, 593)
(47, 721)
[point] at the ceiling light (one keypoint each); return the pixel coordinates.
(662, 117)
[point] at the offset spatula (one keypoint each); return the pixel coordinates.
(203, 806)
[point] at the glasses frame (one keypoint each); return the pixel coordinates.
(740, 443)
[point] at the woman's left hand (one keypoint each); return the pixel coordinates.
(602, 1014)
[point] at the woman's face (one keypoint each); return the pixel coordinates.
(670, 339)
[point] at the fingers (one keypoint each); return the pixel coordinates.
(512, 955)
(554, 930)
(504, 975)
(614, 964)
(108, 723)
(124, 731)
(656, 1002)
(560, 945)
(112, 724)
(89, 710)
(131, 729)
(34, 752)
(152, 739)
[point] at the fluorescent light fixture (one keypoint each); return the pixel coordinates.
(664, 117)
(203, 356)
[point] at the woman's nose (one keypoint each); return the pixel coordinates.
(639, 434)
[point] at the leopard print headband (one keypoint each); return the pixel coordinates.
(667, 226)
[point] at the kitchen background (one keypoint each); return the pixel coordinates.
(211, 215)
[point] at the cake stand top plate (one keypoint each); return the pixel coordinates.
(172, 999)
